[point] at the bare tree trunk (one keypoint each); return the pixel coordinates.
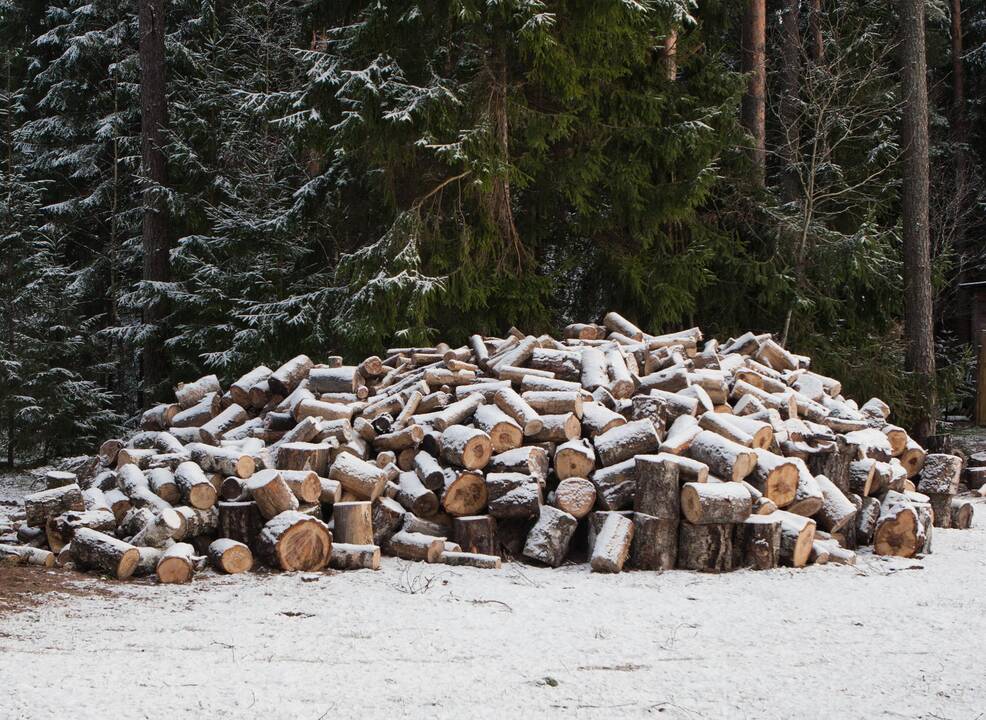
(669, 56)
(960, 130)
(754, 114)
(817, 47)
(153, 122)
(500, 203)
(918, 324)
(791, 80)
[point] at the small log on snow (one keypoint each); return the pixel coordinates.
(271, 494)
(626, 441)
(714, 503)
(26, 555)
(612, 544)
(294, 541)
(961, 512)
(467, 559)
(98, 551)
(346, 556)
(466, 447)
(40, 506)
(361, 478)
(899, 529)
(229, 556)
(416, 546)
(575, 458)
(177, 564)
(706, 548)
(797, 536)
(196, 489)
(576, 496)
(725, 458)
(758, 542)
(476, 534)
(548, 540)
(353, 523)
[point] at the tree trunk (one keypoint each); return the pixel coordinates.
(960, 127)
(754, 64)
(153, 124)
(791, 81)
(918, 323)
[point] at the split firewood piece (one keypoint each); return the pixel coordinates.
(353, 523)
(758, 540)
(862, 477)
(214, 430)
(388, 518)
(516, 407)
(159, 530)
(961, 512)
(189, 394)
(294, 541)
(837, 510)
(612, 544)
(288, 376)
(468, 559)
(414, 496)
(626, 441)
(240, 521)
(548, 540)
(363, 479)
(576, 496)
(476, 534)
(505, 433)
(465, 492)
(230, 556)
(575, 458)
(558, 429)
(196, 489)
(346, 556)
(683, 431)
(466, 447)
(162, 483)
(797, 536)
(706, 548)
(271, 493)
(940, 475)
(39, 507)
(598, 419)
(714, 503)
(416, 546)
(177, 564)
(99, 551)
(616, 485)
(725, 458)
(26, 555)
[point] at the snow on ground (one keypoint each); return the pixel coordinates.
(886, 639)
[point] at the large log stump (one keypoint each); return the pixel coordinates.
(706, 548)
(294, 541)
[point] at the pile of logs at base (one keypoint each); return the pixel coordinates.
(611, 445)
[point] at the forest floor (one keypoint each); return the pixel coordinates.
(889, 638)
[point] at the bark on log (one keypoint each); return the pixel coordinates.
(797, 536)
(346, 556)
(940, 475)
(616, 485)
(548, 540)
(415, 546)
(353, 523)
(414, 496)
(899, 529)
(388, 517)
(626, 441)
(575, 458)
(293, 541)
(196, 489)
(214, 430)
(465, 492)
(706, 548)
(189, 394)
(758, 540)
(466, 447)
(162, 483)
(98, 551)
(467, 559)
(714, 503)
(476, 534)
(505, 433)
(961, 512)
(288, 376)
(598, 419)
(363, 479)
(159, 531)
(655, 542)
(41, 506)
(726, 459)
(680, 435)
(516, 407)
(836, 511)
(271, 494)
(26, 555)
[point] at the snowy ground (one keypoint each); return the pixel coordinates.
(889, 638)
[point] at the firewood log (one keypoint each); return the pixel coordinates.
(530, 460)
(25, 555)
(866, 519)
(612, 544)
(621, 383)
(725, 458)
(871, 443)
(416, 546)
(688, 470)
(836, 511)
(875, 408)
(940, 474)
(159, 530)
(271, 494)
(39, 507)
(862, 474)
(429, 472)
(346, 556)
(177, 564)
(576, 496)
(58, 478)
(109, 450)
(961, 512)
(414, 496)
(505, 433)
(899, 529)
(657, 491)
(614, 322)
(414, 524)
(138, 457)
(189, 394)
(304, 485)
(626, 441)
(465, 492)
(758, 542)
(706, 548)
(598, 419)
(288, 376)
(388, 518)
(555, 402)
(476, 534)
(353, 523)
(575, 458)
(797, 536)
(583, 331)
(159, 417)
(303, 456)
(594, 372)
(467, 559)
(196, 489)
(616, 485)
(133, 522)
(119, 503)
(558, 429)
(229, 556)
(683, 431)
(808, 496)
(97, 551)
(516, 407)
(548, 540)
(293, 541)
(466, 447)
(162, 483)
(512, 495)
(363, 479)
(714, 503)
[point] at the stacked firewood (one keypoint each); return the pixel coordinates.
(611, 445)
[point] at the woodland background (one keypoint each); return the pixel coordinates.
(204, 186)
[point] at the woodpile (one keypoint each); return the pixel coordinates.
(610, 446)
